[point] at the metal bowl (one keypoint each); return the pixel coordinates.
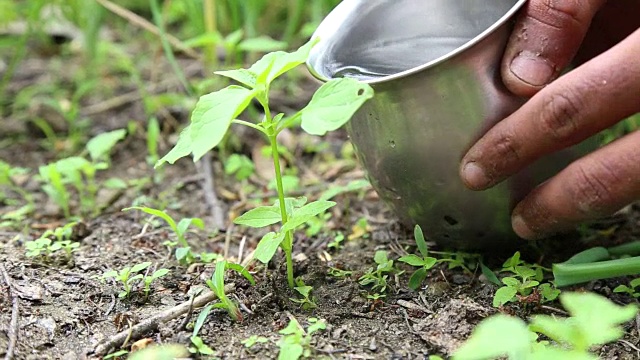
(435, 68)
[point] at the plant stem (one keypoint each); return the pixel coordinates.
(569, 274)
(211, 27)
(287, 243)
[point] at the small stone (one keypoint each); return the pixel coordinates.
(372, 344)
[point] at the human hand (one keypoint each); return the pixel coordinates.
(604, 39)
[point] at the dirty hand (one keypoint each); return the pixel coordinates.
(603, 38)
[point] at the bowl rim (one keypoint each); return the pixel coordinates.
(402, 74)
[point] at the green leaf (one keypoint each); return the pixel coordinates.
(260, 217)
(490, 275)
(242, 271)
(333, 104)
(212, 117)
(200, 345)
(182, 253)
(182, 148)
(417, 278)
(184, 224)
(548, 292)
(159, 213)
(110, 274)
(262, 44)
(201, 319)
(623, 289)
(635, 283)
(115, 183)
(494, 337)
(380, 257)
(274, 64)
(161, 352)
(159, 273)
(102, 144)
(242, 76)
(504, 295)
(420, 241)
(140, 267)
(267, 246)
(306, 213)
(509, 281)
(413, 260)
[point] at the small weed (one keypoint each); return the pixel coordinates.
(339, 273)
(307, 302)
(253, 340)
(125, 278)
(336, 244)
(631, 289)
(183, 253)
(51, 241)
(151, 278)
(240, 166)
(594, 321)
(296, 342)
(525, 282)
(377, 277)
(116, 355)
(424, 262)
(216, 284)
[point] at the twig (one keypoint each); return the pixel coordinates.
(241, 248)
(13, 326)
(112, 306)
(185, 322)
(143, 23)
(227, 242)
(215, 207)
(152, 323)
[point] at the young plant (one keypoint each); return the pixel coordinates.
(80, 174)
(631, 289)
(240, 166)
(7, 173)
(331, 107)
(216, 284)
(296, 342)
(151, 278)
(424, 262)
(183, 253)
(308, 302)
(125, 278)
(253, 340)
(594, 321)
(53, 240)
(337, 242)
(377, 278)
(525, 281)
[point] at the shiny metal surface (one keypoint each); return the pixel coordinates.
(435, 68)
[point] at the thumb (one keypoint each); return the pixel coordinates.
(544, 41)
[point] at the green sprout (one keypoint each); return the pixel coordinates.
(631, 289)
(124, 276)
(377, 278)
(424, 262)
(253, 340)
(525, 280)
(296, 342)
(240, 166)
(151, 278)
(183, 253)
(594, 320)
(333, 104)
(53, 240)
(308, 301)
(216, 284)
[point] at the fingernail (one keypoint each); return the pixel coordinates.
(522, 229)
(533, 70)
(475, 176)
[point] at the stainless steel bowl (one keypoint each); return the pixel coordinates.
(435, 67)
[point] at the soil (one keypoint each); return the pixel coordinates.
(65, 310)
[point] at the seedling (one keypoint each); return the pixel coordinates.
(526, 280)
(337, 242)
(339, 273)
(199, 347)
(253, 340)
(80, 173)
(594, 321)
(631, 289)
(331, 107)
(183, 253)
(7, 173)
(377, 278)
(240, 166)
(424, 262)
(296, 342)
(116, 355)
(124, 276)
(307, 302)
(151, 278)
(53, 240)
(216, 284)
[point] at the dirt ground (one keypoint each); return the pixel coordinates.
(65, 311)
